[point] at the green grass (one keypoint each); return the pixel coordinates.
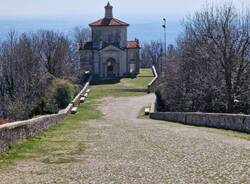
(62, 143)
(230, 133)
(126, 87)
(142, 113)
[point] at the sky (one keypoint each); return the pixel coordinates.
(15, 8)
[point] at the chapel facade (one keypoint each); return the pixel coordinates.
(109, 54)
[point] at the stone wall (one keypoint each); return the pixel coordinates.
(120, 57)
(133, 57)
(12, 133)
(109, 34)
(234, 122)
(152, 85)
(76, 100)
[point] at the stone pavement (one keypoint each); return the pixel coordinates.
(120, 148)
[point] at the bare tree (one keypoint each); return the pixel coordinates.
(214, 62)
(53, 49)
(151, 54)
(28, 64)
(81, 34)
(22, 76)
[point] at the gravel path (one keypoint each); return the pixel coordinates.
(123, 149)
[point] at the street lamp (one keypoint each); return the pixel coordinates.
(165, 45)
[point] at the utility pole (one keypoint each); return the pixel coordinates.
(163, 65)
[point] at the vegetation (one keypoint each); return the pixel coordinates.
(153, 54)
(28, 65)
(60, 93)
(63, 142)
(210, 65)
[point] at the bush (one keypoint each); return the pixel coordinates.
(59, 94)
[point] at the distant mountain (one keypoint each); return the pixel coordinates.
(143, 28)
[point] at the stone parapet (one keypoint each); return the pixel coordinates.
(153, 84)
(12, 133)
(236, 122)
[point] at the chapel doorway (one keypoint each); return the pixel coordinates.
(111, 68)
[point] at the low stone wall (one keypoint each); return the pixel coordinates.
(76, 100)
(152, 85)
(12, 133)
(234, 122)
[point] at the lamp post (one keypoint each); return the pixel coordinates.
(165, 45)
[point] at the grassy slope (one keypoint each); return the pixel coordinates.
(62, 143)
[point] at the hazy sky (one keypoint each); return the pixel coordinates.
(95, 7)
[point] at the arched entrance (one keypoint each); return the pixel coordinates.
(112, 68)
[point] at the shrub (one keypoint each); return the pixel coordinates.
(59, 94)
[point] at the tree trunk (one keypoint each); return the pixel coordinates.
(230, 98)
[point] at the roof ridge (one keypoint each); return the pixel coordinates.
(109, 22)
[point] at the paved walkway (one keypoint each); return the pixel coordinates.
(123, 149)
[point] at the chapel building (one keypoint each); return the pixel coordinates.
(109, 54)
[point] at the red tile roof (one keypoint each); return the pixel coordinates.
(133, 44)
(109, 22)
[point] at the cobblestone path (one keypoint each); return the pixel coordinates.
(120, 148)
